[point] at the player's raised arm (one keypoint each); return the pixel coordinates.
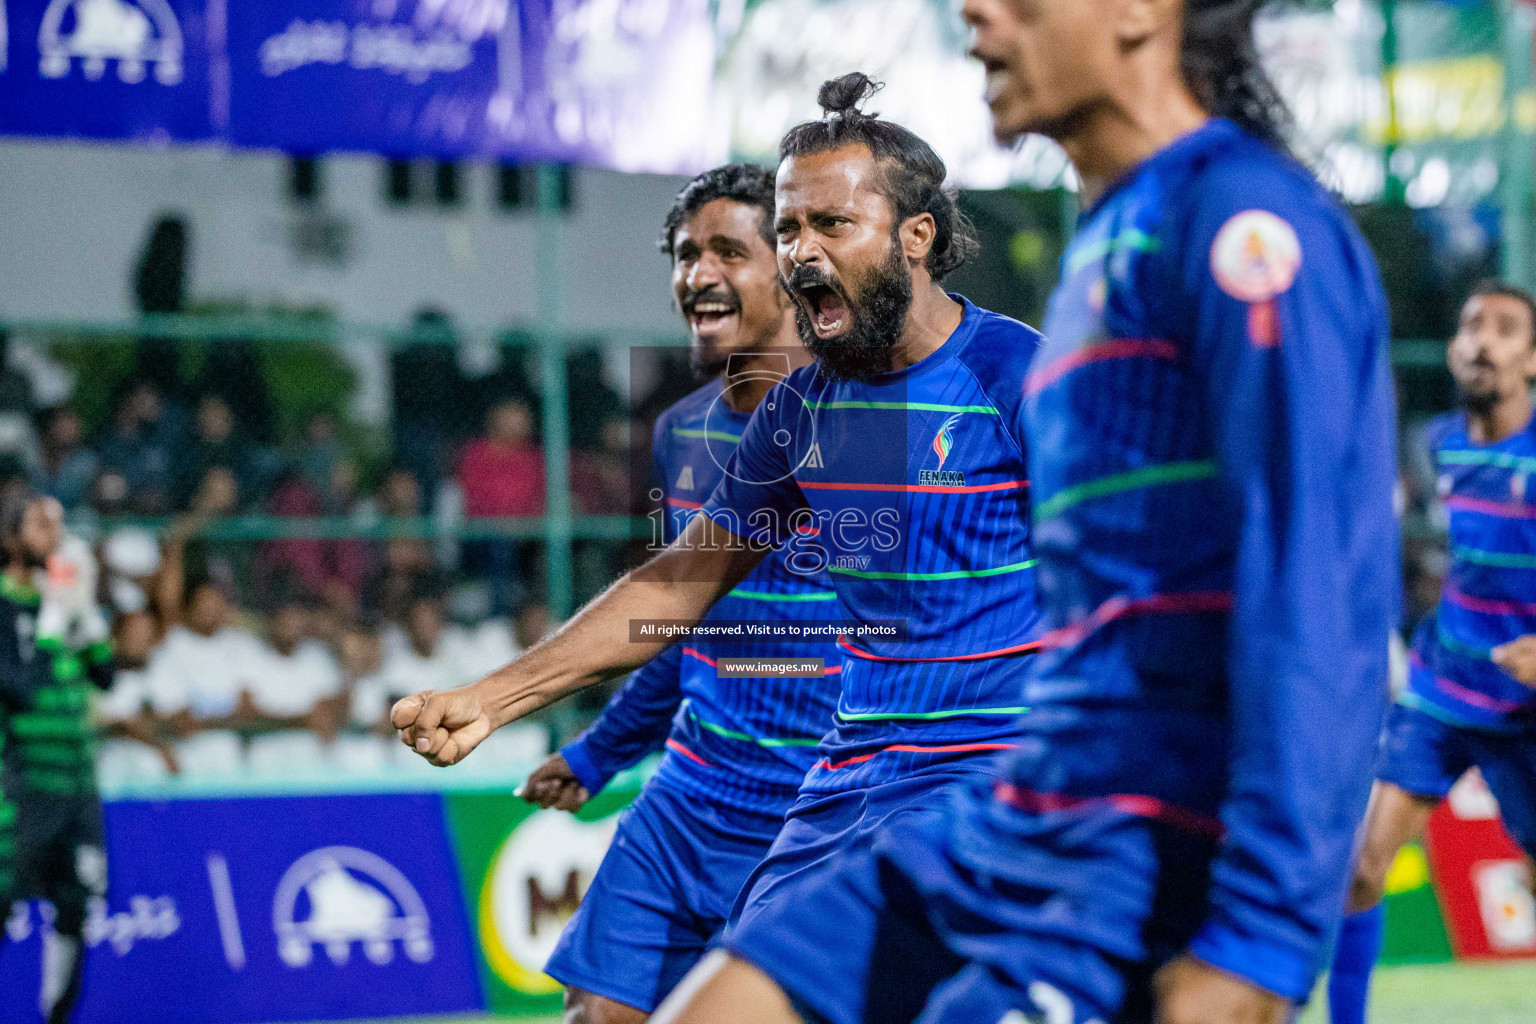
(1288, 322)
(680, 583)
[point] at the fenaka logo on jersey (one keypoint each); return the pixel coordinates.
(943, 444)
(685, 479)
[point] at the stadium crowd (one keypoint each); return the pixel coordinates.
(245, 650)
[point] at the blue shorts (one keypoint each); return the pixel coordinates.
(660, 897)
(967, 913)
(822, 829)
(1422, 755)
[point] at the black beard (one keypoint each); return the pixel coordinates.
(1478, 403)
(706, 366)
(877, 320)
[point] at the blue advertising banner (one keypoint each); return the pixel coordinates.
(244, 911)
(397, 76)
(109, 69)
(620, 83)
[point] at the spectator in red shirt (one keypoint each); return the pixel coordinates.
(502, 474)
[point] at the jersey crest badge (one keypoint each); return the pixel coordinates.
(1255, 256)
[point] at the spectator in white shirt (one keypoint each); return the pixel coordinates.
(200, 679)
(296, 695)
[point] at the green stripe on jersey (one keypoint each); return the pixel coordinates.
(1503, 460)
(953, 574)
(761, 595)
(1147, 476)
(985, 410)
(708, 435)
(1133, 239)
(1496, 559)
(731, 734)
(925, 716)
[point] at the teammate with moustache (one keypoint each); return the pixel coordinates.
(902, 447)
(736, 749)
(1211, 455)
(1471, 694)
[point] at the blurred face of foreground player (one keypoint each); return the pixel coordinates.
(1105, 78)
(1493, 357)
(725, 282)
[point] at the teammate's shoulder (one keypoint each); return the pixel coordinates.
(998, 351)
(691, 406)
(1448, 428)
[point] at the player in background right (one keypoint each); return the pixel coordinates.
(1470, 697)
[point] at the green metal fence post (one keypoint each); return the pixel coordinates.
(553, 387)
(1393, 187)
(1516, 159)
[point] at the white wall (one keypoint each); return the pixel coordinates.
(73, 218)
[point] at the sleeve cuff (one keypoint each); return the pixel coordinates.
(1280, 969)
(583, 767)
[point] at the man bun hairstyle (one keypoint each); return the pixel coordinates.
(1221, 65)
(748, 184)
(911, 173)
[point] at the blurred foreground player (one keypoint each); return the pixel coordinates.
(1211, 456)
(902, 449)
(50, 747)
(1469, 699)
(736, 749)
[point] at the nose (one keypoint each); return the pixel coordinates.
(704, 273)
(803, 251)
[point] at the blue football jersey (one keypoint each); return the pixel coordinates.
(1212, 458)
(913, 486)
(1490, 591)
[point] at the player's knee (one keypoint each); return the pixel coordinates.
(582, 1007)
(1369, 882)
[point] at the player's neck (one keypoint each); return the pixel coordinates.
(1113, 137)
(931, 319)
(757, 372)
(1501, 422)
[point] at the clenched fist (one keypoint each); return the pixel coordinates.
(443, 726)
(553, 784)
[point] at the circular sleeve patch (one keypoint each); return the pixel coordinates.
(1255, 256)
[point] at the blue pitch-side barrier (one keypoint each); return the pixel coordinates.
(250, 909)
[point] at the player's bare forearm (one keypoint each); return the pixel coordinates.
(1518, 658)
(680, 583)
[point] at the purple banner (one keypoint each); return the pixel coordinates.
(244, 911)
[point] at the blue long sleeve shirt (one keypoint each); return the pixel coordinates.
(1211, 430)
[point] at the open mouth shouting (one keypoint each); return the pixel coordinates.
(821, 300)
(711, 312)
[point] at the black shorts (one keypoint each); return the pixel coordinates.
(60, 851)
